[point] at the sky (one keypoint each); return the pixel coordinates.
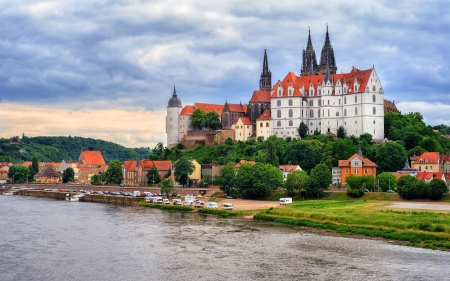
(105, 69)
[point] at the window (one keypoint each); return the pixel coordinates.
(267, 124)
(290, 92)
(355, 171)
(290, 102)
(302, 113)
(320, 102)
(291, 123)
(367, 89)
(311, 114)
(318, 113)
(291, 113)
(374, 98)
(374, 121)
(365, 171)
(345, 112)
(339, 101)
(260, 124)
(345, 100)
(356, 88)
(279, 113)
(356, 111)
(278, 103)
(320, 92)
(312, 92)
(328, 102)
(337, 113)
(373, 171)
(328, 113)
(374, 111)
(356, 99)
(345, 90)
(373, 88)
(346, 171)
(279, 92)
(311, 103)
(170, 119)
(279, 124)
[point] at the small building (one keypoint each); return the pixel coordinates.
(287, 169)
(357, 165)
(196, 176)
(90, 163)
(4, 174)
(48, 176)
(263, 125)
(428, 161)
(212, 170)
(428, 176)
(135, 172)
(238, 165)
(243, 128)
(69, 164)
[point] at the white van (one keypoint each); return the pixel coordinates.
(136, 193)
(285, 201)
(188, 203)
(227, 206)
(189, 198)
(157, 200)
(212, 205)
(176, 201)
(149, 199)
(166, 201)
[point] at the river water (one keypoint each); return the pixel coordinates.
(46, 239)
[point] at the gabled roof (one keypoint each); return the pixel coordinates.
(430, 175)
(238, 165)
(432, 157)
(264, 116)
(289, 168)
(27, 164)
(48, 172)
(187, 110)
(365, 161)
(244, 120)
(236, 107)
(210, 107)
(260, 96)
(162, 165)
(93, 157)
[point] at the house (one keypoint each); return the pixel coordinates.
(135, 172)
(48, 176)
(287, 169)
(407, 170)
(90, 163)
(356, 165)
(428, 176)
(243, 128)
(446, 163)
(196, 175)
(428, 161)
(238, 165)
(4, 174)
(263, 125)
(212, 170)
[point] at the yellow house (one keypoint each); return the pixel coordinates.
(427, 162)
(197, 174)
(243, 128)
(263, 125)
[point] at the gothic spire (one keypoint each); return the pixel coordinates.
(138, 162)
(309, 58)
(327, 54)
(359, 150)
(407, 163)
(311, 68)
(265, 81)
(174, 100)
(265, 64)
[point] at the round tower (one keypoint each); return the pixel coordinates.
(174, 108)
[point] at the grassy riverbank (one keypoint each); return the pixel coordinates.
(429, 229)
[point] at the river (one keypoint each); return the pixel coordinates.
(46, 239)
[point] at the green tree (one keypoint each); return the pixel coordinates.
(114, 172)
(212, 120)
(295, 180)
(68, 175)
(360, 182)
(386, 181)
(95, 179)
(319, 180)
(411, 140)
(437, 188)
(390, 157)
(271, 157)
(226, 179)
(341, 132)
(303, 130)
(183, 168)
(153, 176)
(429, 144)
(258, 181)
(11, 172)
(34, 169)
(167, 186)
(198, 119)
(406, 187)
(22, 174)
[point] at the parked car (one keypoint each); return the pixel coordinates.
(227, 206)
(229, 197)
(166, 201)
(390, 191)
(199, 204)
(176, 201)
(188, 203)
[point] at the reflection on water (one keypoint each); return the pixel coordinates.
(45, 239)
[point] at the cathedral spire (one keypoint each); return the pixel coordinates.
(138, 162)
(309, 58)
(327, 54)
(265, 81)
(407, 163)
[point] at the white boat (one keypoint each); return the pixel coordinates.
(8, 193)
(70, 198)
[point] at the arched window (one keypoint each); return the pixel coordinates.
(373, 88)
(337, 113)
(356, 111)
(374, 98)
(339, 101)
(345, 112)
(291, 112)
(374, 111)
(345, 100)
(279, 92)
(320, 102)
(261, 124)
(290, 92)
(328, 102)
(278, 103)
(267, 124)
(367, 89)
(290, 102)
(318, 113)
(311, 113)
(291, 123)
(279, 123)
(312, 92)
(279, 113)
(356, 99)
(311, 103)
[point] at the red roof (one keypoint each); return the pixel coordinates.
(365, 161)
(187, 110)
(238, 165)
(210, 107)
(163, 165)
(27, 163)
(237, 107)
(289, 168)
(93, 157)
(432, 157)
(264, 116)
(430, 175)
(244, 120)
(129, 165)
(260, 96)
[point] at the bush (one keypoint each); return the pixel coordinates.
(355, 192)
(425, 226)
(438, 228)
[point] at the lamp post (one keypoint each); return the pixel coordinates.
(153, 180)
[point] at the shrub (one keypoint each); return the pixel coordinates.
(438, 228)
(355, 192)
(425, 226)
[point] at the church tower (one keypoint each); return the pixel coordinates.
(265, 81)
(327, 55)
(309, 58)
(174, 108)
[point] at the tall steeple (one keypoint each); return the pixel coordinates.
(359, 150)
(174, 100)
(406, 164)
(309, 57)
(327, 54)
(265, 81)
(138, 162)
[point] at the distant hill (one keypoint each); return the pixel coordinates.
(55, 149)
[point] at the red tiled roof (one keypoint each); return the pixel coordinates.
(187, 110)
(27, 163)
(238, 165)
(365, 161)
(264, 116)
(163, 165)
(129, 165)
(53, 164)
(93, 157)
(210, 107)
(432, 157)
(244, 120)
(430, 175)
(236, 107)
(289, 168)
(260, 96)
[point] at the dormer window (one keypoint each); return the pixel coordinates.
(290, 92)
(279, 92)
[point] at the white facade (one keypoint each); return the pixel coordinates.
(354, 100)
(243, 129)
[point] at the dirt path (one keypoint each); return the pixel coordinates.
(435, 206)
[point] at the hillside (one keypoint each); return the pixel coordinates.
(56, 149)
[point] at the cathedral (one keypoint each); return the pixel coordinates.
(319, 97)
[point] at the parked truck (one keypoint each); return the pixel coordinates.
(157, 200)
(285, 201)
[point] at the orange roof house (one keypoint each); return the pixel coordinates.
(356, 165)
(238, 165)
(135, 171)
(428, 161)
(91, 158)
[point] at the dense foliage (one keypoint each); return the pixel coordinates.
(205, 120)
(258, 181)
(114, 172)
(410, 187)
(68, 175)
(167, 186)
(183, 168)
(56, 149)
(226, 180)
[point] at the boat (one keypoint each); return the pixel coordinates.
(70, 198)
(8, 193)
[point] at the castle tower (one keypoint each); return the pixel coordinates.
(265, 81)
(327, 54)
(174, 108)
(309, 57)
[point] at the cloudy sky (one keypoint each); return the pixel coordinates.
(105, 68)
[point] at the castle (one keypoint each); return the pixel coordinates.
(318, 97)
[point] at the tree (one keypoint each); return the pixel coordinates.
(11, 172)
(386, 181)
(319, 179)
(114, 172)
(183, 168)
(226, 179)
(412, 140)
(167, 186)
(303, 130)
(95, 179)
(406, 187)
(390, 157)
(153, 176)
(295, 180)
(198, 119)
(360, 182)
(437, 188)
(212, 120)
(21, 174)
(271, 157)
(258, 181)
(34, 168)
(341, 132)
(69, 175)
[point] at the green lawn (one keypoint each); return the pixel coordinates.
(419, 228)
